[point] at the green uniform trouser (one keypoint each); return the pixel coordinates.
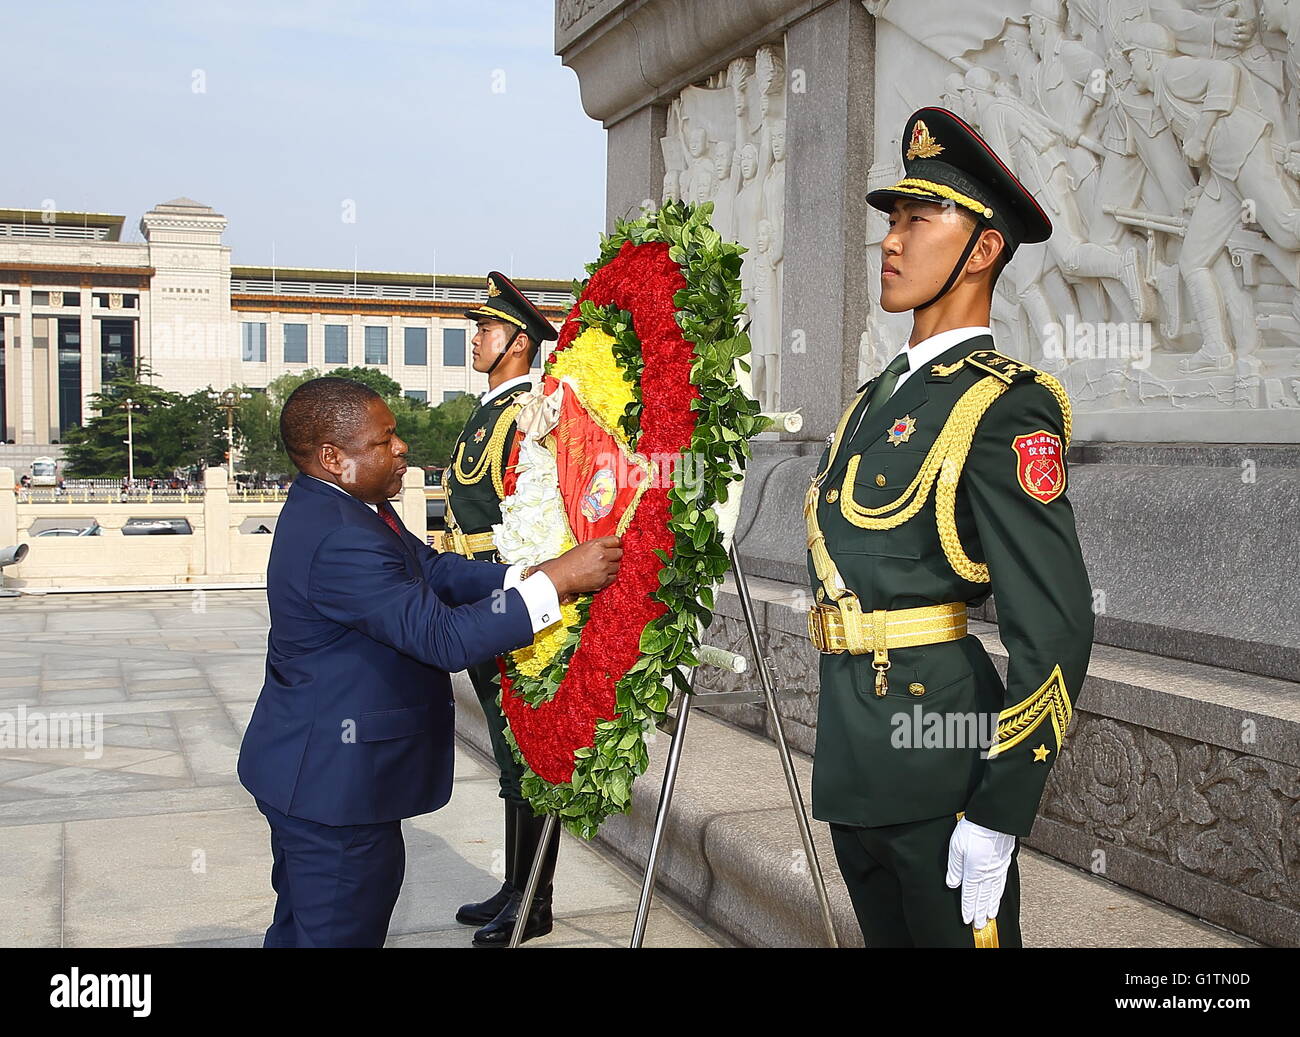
(485, 678)
(896, 878)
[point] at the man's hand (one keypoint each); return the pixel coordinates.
(585, 569)
(978, 859)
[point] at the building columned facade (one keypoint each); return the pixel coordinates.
(77, 303)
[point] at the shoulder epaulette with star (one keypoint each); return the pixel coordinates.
(1001, 366)
(988, 362)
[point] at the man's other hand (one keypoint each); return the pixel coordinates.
(585, 569)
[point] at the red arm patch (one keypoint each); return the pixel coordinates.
(1040, 465)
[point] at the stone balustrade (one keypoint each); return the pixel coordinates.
(221, 548)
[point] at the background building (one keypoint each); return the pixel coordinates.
(78, 302)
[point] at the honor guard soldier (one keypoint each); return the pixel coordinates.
(510, 331)
(944, 482)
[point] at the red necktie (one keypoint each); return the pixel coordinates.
(386, 513)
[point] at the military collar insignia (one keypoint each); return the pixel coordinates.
(901, 430)
(479, 434)
(947, 370)
(922, 145)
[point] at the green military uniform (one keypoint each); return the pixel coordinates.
(473, 483)
(475, 487)
(952, 488)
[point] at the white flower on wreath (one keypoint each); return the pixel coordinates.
(533, 525)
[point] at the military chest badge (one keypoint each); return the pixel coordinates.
(1040, 465)
(901, 430)
(478, 436)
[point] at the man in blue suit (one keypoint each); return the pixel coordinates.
(353, 729)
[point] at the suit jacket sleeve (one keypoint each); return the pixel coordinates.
(359, 579)
(1044, 608)
(458, 580)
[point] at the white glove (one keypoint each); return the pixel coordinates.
(978, 859)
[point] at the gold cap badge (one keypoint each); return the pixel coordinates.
(493, 290)
(922, 145)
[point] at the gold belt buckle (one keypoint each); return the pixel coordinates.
(819, 629)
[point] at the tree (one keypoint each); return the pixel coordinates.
(429, 432)
(377, 380)
(447, 420)
(169, 431)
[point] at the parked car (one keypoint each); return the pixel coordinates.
(93, 530)
(158, 527)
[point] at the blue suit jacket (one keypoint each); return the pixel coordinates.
(355, 722)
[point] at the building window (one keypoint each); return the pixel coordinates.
(451, 394)
(417, 347)
(252, 340)
(295, 343)
(453, 347)
(116, 348)
(376, 345)
(69, 375)
(336, 343)
(417, 394)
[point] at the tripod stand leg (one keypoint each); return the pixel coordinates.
(530, 889)
(661, 821)
(787, 763)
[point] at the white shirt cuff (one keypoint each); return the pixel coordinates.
(539, 595)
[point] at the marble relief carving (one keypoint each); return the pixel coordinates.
(725, 144)
(1223, 815)
(1163, 139)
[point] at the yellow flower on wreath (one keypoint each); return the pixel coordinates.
(590, 363)
(534, 658)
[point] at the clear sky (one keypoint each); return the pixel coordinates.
(451, 127)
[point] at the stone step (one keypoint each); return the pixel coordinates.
(732, 854)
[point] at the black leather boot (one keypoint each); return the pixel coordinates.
(486, 910)
(540, 921)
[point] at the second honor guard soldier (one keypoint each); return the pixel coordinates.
(944, 481)
(510, 331)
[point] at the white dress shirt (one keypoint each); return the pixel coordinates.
(538, 592)
(492, 394)
(925, 351)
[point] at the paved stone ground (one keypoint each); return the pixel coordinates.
(155, 842)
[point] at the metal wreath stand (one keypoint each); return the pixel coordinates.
(734, 663)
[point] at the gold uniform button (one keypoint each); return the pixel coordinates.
(916, 689)
(880, 480)
(832, 496)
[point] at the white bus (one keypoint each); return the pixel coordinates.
(45, 471)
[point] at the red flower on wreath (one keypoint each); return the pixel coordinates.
(642, 280)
